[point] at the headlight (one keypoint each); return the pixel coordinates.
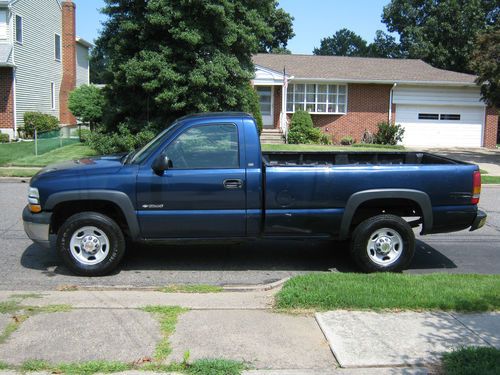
(34, 200)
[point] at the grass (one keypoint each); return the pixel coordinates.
(353, 148)
(471, 361)
(26, 295)
(193, 288)
(215, 367)
(490, 179)
(482, 171)
(3, 366)
(18, 172)
(21, 154)
(389, 291)
(167, 316)
(83, 368)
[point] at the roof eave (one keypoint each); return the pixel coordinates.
(383, 81)
(84, 42)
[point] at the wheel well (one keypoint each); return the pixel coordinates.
(393, 206)
(64, 210)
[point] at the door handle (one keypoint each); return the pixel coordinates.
(233, 184)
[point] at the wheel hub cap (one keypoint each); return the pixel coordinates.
(383, 245)
(91, 244)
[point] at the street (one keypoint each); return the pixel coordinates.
(26, 266)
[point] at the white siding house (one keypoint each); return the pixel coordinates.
(35, 60)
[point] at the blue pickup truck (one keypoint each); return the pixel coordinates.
(204, 178)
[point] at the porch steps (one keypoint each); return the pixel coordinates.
(271, 136)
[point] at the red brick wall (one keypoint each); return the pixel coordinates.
(68, 82)
(368, 104)
(277, 106)
(6, 99)
(491, 128)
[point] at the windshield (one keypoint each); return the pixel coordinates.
(143, 153)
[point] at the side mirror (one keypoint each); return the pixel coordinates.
(161, 164)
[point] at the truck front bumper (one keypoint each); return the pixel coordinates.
(37, 226)
(479, 221)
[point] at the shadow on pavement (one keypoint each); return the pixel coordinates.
(262, 255)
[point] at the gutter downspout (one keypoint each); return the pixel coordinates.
(14, 71)
(390, 102)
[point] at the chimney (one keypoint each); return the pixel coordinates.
(68, 54)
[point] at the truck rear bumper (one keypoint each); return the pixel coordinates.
(37, 226)
(479, 221)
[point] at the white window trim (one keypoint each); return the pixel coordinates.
(316, 97)
(60, 47)
(22, 29)
(53, 95)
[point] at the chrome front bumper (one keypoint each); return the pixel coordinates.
(37, 227)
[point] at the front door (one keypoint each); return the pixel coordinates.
(203, 193)
(266, 105)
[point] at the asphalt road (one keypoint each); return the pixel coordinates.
(26, 266)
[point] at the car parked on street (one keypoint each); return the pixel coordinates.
(204, 178)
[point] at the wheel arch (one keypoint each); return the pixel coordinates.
(116, 198)
(420, 198)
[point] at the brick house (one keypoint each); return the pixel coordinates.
(41, 60)
(347, 96)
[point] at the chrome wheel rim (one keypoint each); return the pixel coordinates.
(89, 245)
(385, 246)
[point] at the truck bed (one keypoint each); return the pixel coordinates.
(328, 158)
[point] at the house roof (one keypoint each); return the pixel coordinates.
(5, 52)
(83, 42)
(360, 69)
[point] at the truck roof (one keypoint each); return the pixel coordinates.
(215, 115)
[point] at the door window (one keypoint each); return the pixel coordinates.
(205, 147)
(265, 99)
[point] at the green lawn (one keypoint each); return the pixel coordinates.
(471, 361)
(327, 291)
(490, 179)
(354, 148)
(22, 154)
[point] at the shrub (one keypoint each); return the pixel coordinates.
(347, 140)
(84, 134)
(252, 106)
(121, 141)
(389, 134)
(42, 122)
(4, 138)
(302, 130)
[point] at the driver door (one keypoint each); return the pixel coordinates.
(203, 194)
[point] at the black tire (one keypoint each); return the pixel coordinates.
(105, 224)
(362, 238)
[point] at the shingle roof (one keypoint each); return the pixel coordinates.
(5, 52)
(360, 69)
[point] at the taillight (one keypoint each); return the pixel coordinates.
(476, 187)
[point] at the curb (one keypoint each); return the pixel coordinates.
(130, 288)
(15, 180)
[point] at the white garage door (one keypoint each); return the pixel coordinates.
(441, 126)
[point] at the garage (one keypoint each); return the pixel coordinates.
(457, 122)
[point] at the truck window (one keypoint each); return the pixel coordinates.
(205, 147)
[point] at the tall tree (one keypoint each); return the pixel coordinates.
(282, 31)
(486, 63)
(441, 32)
(385, 45)
(168, 58)
(343, 43)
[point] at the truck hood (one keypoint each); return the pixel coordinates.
(86, 166)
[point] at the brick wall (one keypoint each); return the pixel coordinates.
(491, 128)
(68, 61)
(277, 106)
(6, 99)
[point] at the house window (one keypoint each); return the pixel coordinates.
(53, 95)
(57, 47)
(450, 117)
(316, 98)
(265, 99)
(3, 24)
(19, 29)
(428, 116)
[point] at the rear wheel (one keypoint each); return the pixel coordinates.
(91, 244)
(383, 243)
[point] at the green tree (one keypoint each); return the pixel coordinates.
(87, 103)
(441, 32)
(166, 59)
(343, 43)
(282, 31)
(486, 63)
(385, 45)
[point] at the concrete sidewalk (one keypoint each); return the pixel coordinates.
(112, 326)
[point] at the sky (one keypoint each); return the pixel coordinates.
(314, 19)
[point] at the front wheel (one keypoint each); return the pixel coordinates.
(383, 243)
(91, 244)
